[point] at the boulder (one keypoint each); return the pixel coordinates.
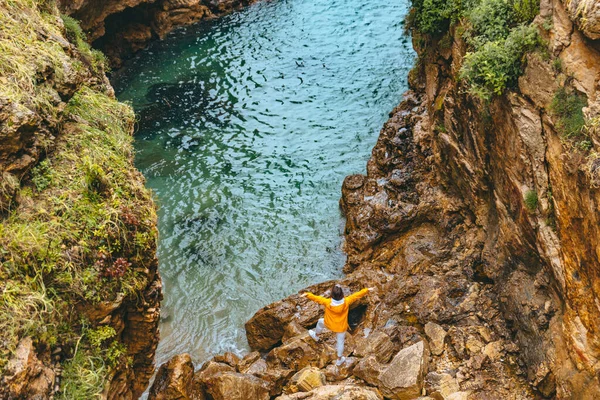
(228, 358)
(336, 392)
(336, 373)
(441, 384)
(236, 386)
(403, 377)
(305, 380)
(247, 361)
(173, 379)
(25, 376)
(301, 352)
(436, 335)
(377, 343)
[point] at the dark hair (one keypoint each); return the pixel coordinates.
(337, 292)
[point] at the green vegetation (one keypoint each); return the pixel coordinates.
(499, 34)
(96, 353)
(75, 34)
(531, 200)
(82, 229)
(567, 108)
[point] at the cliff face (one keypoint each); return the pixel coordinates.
(78, 273)
(122, 27)
(478, 223)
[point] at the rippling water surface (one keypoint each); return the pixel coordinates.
(248, 126)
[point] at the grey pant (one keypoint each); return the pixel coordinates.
(339, 335)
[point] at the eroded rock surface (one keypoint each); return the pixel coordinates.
(122, 27)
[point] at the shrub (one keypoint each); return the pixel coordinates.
(531, 200)
(567, 107)
(497, 65)
(433, 17)
(41, 175)
(491, 20)
(525, 10)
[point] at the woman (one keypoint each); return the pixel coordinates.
(336, 315)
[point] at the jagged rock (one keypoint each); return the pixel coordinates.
(586, 14)
(173, 379)
(377, 343)
(26, 377)
(236, 386)
(336, 373)
(436, 335)
(441, 384)
(403, 377)
(247, 361)
(301, 352)
(227, 358)
(336, 392)
(305, 380)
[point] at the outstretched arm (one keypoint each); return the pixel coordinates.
(315, 298)
(355, 296)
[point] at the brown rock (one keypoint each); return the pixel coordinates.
(173, 379)
(26, 377)
(436, 335)
(247, 361)
(235, 386)
(336, 392)
(377, 343)
(301, 352)
(306, 380)
(403, 377)
(227, 358)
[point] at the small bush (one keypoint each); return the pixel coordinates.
(433, 17)
(490, 20)
(567, 107)
(525, 10)
(531, 200)
(497, 65)
(41, 175)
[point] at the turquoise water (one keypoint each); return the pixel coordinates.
(247, 127)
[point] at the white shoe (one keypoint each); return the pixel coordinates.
(313, 335)
(340, 361)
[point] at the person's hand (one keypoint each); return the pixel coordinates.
(371, 289)
(304, 294)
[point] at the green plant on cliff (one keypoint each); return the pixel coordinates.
(75, 34)
(497, 65)
(567, 108)
(96, 353)
(498, 33)
(531, 200)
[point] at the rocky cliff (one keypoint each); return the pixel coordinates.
(79, 286)
(121, 27)
(477, 221)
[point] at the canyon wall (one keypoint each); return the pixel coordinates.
(121, 27)
(78, 271)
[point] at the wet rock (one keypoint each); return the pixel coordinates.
(25, 376)
(436, 335)
(236, 386)
(173, 379)
(336, 392)
(305, 380)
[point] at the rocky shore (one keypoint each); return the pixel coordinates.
(477, 221)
